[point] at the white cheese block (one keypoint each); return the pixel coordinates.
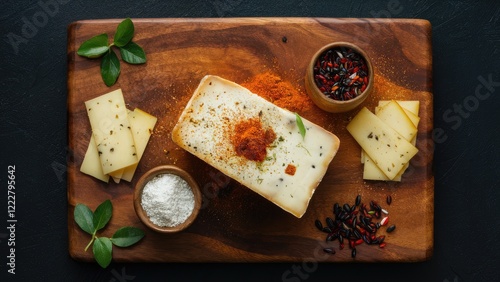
(91, 164)
(142, 125)
(111, 130)
(387, 148)
(206, 125)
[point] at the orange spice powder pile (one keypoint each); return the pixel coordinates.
(279, 92)
(251, 140)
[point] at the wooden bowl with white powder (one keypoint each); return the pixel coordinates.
(167, 199)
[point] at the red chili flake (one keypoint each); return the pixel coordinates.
(384, 221)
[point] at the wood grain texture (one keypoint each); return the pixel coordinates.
(235, 224)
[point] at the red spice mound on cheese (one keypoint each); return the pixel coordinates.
(251, 140)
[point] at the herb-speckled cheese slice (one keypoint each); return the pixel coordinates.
(142, 125)
(370, 170)
(386, 147)
(91, 164)
(205, 126)
(111, 130)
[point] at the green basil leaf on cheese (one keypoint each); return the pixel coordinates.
(300, 124)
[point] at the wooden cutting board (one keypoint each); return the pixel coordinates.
(236, 224)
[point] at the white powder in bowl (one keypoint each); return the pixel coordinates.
(167, 200)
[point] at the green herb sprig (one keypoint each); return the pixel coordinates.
(300, 125)
(98, 46)
(102, 247)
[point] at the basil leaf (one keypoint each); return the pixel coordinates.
(102, 249)
(124, 33)
(84, 218)
(127, 236)
(300, 124)
(94, 47)
(133, 53)
(110, 68)
(102, 214)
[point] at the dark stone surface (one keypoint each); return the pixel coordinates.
(33, 135)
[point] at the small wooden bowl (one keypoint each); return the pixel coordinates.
(148, 176)
(329, 104)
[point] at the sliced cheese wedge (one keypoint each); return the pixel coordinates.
(370, 169)
(111, 130)
(387, 148)
(142, 125)
(394, 115)
(410, 108)
(206, 125)
(91, 163)
(409, 105)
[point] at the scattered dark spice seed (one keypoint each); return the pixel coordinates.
(318, 224)
(391, 228)
(358, 200)
(347, 208)
(284, 39)
(389, 199)
(329, 222)
(355, 224)
(329, 250)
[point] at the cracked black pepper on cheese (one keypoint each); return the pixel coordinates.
(294, 165)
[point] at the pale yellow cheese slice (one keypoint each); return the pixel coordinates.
(394, 115)
(370, 169)
(142, 125)
(111, 130)
(206, 124)
(91, 163)
(386, 147)
(410, 105)
(410, 108)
